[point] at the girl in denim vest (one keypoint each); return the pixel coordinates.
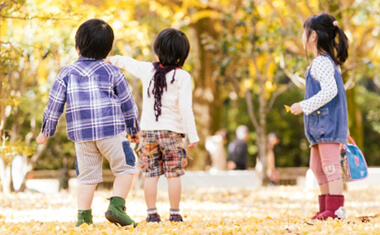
(325, 109)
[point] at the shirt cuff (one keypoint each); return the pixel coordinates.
(303, 107)
(46, 129)
(48, 132)
(135, 127)
(132, 131)
(114, 60)
(193, 139)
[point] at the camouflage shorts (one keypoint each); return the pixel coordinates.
(162, 152)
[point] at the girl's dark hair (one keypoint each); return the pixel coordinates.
(172, 48)
(94, 39)
(327, 30)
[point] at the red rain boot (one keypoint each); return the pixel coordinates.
(322, 202)
(334, 208)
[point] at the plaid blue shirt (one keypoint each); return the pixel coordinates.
(99, 102)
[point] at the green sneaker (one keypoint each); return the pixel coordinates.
(116, 212)
(84, 216)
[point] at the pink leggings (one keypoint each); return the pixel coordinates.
(324, 162)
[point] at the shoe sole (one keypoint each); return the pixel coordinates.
(153, 221)
(113, 219)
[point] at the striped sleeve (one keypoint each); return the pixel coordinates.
(128, 105)
(55, 108)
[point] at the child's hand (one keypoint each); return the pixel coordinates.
(296, 109)
(107, 60)
(193, 145)
(41, 139)
(135, 138)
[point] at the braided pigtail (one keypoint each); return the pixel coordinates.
(159, 85)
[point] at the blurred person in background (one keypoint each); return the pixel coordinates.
(215, 147)
(271, 171)
(238, 150)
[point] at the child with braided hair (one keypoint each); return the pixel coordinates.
(167, 116)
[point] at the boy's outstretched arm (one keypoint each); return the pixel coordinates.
(128, 106)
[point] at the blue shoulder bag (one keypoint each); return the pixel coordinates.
(352, 162)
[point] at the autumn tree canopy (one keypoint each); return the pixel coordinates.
(246, 61)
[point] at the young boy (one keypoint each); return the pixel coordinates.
(99, 109)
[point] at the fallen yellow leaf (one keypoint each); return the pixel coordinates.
(287, 108)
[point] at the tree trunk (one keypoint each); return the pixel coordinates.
(5, 176)
(261, 131)
(31, 162)
(355, 118)
(208, 107)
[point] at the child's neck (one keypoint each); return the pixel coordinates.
(317, 53)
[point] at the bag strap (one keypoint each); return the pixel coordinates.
(351, 140)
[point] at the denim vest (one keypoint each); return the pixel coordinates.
(329, 123)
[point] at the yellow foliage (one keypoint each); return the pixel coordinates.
(263, 9)
(248, 84)
(271, 69)
(42, 72)
(204, 14)
(269, 85)
(261, 61)
(252, 68)
(274, 210)
(376, 52)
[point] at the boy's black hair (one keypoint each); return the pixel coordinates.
(323, 25)
(94, 39)
(172, 48)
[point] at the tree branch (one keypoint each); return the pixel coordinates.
(278, 14)
(38, 153)
(376, 81)
(294, 6)
(354, 66)
(34, 17)
(267, 63)
(297, 80)
(277, 93)
(235, 82)
(342, 8)
(309, 8)
(251, 110)
(350, 82)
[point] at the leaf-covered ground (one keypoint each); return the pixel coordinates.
(272, 210)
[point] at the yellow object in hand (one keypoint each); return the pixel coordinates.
(287, 108)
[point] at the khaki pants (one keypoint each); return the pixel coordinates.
(89, 158)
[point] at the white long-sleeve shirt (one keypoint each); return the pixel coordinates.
(176, 110)
(322, 69)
